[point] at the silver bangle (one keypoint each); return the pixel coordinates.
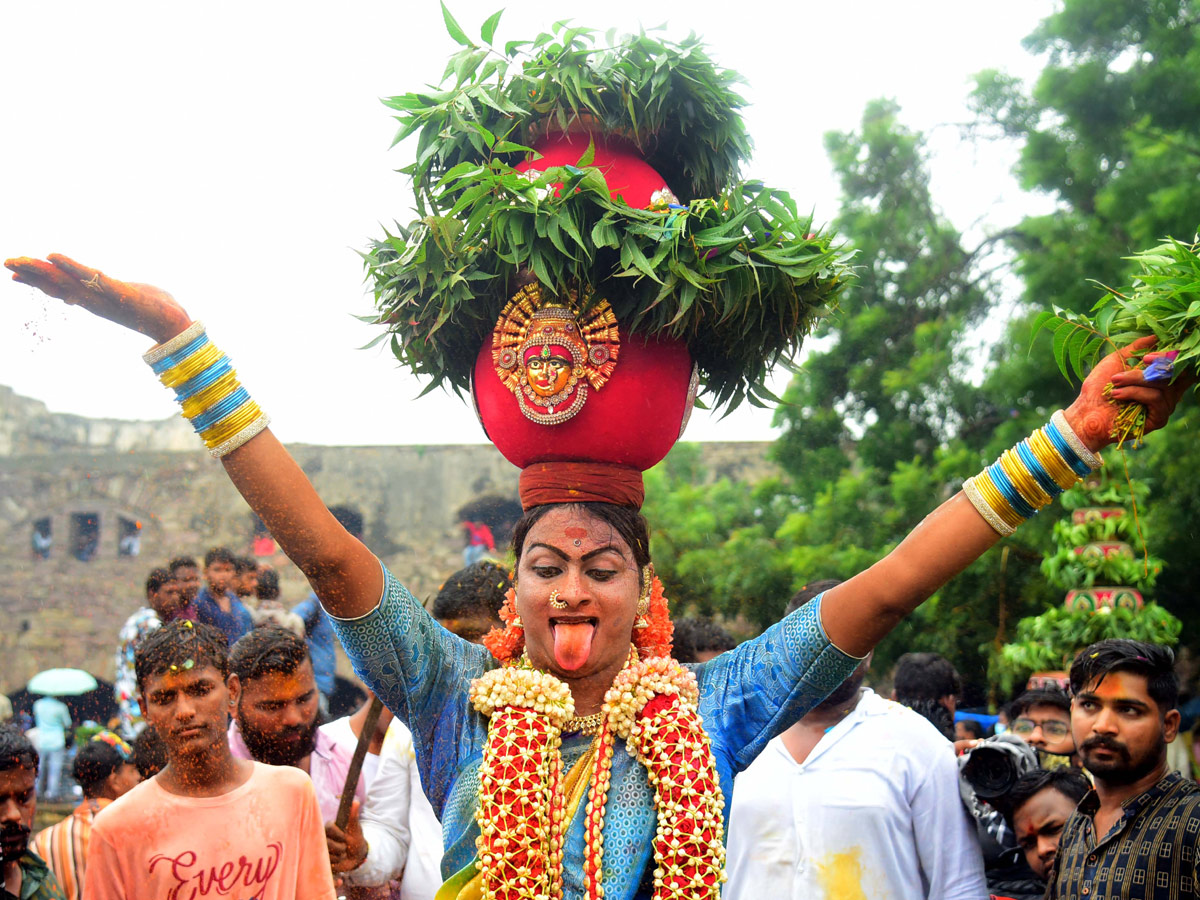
(1092, 460)
(181, 340)
(241, 437)
(984, 509)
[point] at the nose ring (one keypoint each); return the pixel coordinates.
(555, 602)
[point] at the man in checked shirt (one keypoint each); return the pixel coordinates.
(1137, 835)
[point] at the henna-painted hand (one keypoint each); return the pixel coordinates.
(1093, 414)
(140, 307)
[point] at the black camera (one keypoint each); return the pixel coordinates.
(992, 767)
(986, 773)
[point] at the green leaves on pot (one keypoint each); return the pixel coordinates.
(740, 276)
(669, 98)
(1050, 641)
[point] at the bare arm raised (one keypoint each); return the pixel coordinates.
(344, 573)
(858, 613)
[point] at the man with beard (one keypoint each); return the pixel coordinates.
(23, 874)
(274, 696)
(857, 799)
(1137, 834)
(104, 769)
(207, 824)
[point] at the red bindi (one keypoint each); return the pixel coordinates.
(575, 532)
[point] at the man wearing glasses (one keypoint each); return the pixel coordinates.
(1042, 719)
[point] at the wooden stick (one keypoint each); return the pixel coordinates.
(356, 763)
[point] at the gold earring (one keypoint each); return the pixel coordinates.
(555, 602)
(643, 604)
(516, 622)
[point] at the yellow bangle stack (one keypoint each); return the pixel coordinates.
(206, 386)
(1030, 475)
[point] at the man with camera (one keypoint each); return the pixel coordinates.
(1042, 718)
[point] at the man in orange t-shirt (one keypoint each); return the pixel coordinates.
(208, 824)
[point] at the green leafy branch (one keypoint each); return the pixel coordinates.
(1163, 302)
(1070, 570)
(1113, 528)
(735, 271)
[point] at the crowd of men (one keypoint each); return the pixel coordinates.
(224, 776)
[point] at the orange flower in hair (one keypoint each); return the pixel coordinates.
(507, 643)
(656, 638)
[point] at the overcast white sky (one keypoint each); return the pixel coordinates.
(236, 154)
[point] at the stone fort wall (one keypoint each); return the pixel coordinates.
(70, 470)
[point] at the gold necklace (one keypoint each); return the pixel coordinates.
(589, 725)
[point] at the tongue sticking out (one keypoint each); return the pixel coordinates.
(572, 644)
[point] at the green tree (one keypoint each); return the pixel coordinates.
(1111, 131)
(880, 425)
(889, 387)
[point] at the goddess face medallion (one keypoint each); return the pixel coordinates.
(548, 355)
(547, 371)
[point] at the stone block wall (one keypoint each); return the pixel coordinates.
(62, 611)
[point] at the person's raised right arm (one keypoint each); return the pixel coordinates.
(342, 572)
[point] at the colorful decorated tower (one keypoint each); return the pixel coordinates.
(1100, 563)
(1095, 561)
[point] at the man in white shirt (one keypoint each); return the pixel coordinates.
(399, 839)
(859, 799)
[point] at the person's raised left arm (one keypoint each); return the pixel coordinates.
(858, 613)
(343, 572)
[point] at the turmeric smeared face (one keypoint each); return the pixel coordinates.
(591, 572)
(188, 707)
(277, 715)
(548, 369)
(1120, 731)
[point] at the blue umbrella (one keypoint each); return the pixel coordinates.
(61, 683)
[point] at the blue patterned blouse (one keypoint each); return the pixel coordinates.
(422, 673)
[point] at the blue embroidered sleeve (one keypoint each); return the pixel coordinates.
(422, 673)
(757, 690)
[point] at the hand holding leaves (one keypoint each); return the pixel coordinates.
(1160, 310)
